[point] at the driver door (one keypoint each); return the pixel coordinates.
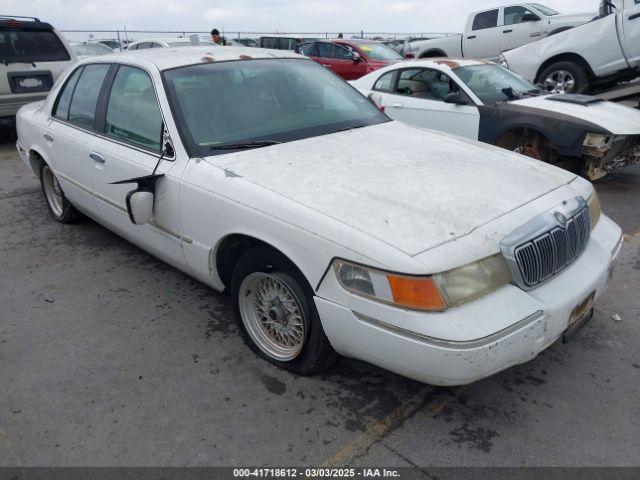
(416, 96)
(515, 31)
(129, 146)
(631, 23)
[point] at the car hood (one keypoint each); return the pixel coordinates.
(410, 188)
(615, 118)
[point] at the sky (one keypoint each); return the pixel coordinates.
(404, 16)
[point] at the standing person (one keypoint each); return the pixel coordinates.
(340, 35)
(217, 39)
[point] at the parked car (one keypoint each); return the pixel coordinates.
(85, 50)
(597, 54)
(113, 44)
(489, 32)
(403, 46)
(333, 228)
(284, 42)
(167, 43)
(32, 57)
(484, 101)
(351, 59)
(248, 42)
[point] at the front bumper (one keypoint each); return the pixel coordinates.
(463, 344)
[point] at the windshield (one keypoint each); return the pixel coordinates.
(549, 12)
(26, 46)
(256, 100)
(110, 43)
(489, 83)
(90, 50)
(378, 51)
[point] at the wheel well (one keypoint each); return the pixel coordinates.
(433, 54)
(565, 57)
(34, 160)
(233, 247)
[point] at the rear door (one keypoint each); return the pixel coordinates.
(416, 96)
(518, 27)
(71, 133)
(631, 28)
(129, 145)
(482, 40)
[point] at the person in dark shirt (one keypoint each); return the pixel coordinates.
(217, 39)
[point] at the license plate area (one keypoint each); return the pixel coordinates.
(580, 316)
(30, 82)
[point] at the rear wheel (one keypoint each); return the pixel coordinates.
(564, 77)
(59, 207)
(276, 313)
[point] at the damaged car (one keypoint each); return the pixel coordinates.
(484, 101)
(334, 229)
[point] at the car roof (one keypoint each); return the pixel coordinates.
(444, 63)
(167, 58)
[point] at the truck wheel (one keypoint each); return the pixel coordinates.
(59, 207)
(276, 313)
(564, 77)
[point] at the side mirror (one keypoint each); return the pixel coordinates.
(530, 17)
(140, 207)
(456, 98)
(357, 57)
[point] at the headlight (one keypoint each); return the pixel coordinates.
(503, 61)
(428, 293)
(595, 210)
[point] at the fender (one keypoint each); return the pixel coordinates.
(565, 132)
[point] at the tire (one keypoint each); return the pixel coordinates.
(566, 77)
(259, 274)
(59, 207)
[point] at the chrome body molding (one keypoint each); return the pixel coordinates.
(453, 345)
(123, 209)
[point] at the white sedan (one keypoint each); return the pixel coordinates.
(484, 101)
(333, 228)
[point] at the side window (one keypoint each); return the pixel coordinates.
(267, 42)
(308, 49)
(144, 45)
(61, 109)
(133, 115)
(133, 47)
(340, 53)
(426, 84)
(486, 20)
(514, 15)
(386, 82)
(324, 49)
(85, 97)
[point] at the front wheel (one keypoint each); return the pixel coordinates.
(564, 77)
(276, 313)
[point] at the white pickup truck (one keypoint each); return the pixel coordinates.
(496, 30)
(599, 53)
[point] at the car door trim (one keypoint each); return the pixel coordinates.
(123, 209)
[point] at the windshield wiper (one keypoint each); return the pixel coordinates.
(245, 145)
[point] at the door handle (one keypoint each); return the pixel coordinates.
(326, 65)
(48, 137)
(507, 31)
(634, 16)
(536, 34)
(471, 37)
(96, 157)
(397, 105)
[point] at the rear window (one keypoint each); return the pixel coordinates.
(486, 20)
(26, 46)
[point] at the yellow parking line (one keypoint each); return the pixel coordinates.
(634, 234)
(378, 430)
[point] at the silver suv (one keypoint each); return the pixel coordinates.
(32, 56)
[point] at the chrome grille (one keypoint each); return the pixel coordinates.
(542, 257)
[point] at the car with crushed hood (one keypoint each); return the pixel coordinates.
(334, 229)
(484, 101)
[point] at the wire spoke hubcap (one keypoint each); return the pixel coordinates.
(52, 191)
(560, 81)
(272, 315)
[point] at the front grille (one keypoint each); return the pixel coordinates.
(544, 256)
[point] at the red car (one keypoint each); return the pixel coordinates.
(351, 59)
